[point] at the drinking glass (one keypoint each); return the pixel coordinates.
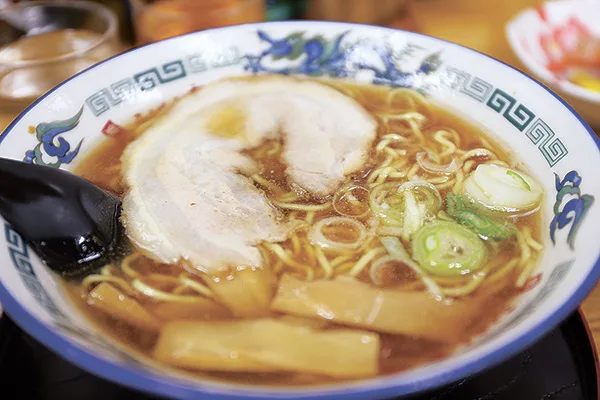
(43, 43)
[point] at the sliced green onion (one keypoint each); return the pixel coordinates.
(519, 179)
(407, 206)
(496, 188)
(448, 249)
(394, 247)
(454, 204)
(413, 214)
(397, 253)
(317, 237)
(384, 200)
(351, 201)
(434, 168)
(483, 226)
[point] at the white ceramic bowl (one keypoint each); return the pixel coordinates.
(536, 124)
(538, 35)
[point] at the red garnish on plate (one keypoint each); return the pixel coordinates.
(113, 130)
(570, 45)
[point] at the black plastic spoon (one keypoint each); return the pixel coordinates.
(71, 224)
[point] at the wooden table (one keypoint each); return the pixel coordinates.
(5, 119)
(476, 24)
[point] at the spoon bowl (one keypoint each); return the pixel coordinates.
(71, 224)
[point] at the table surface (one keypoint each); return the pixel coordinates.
(478, 25)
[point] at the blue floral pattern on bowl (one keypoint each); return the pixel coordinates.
(318, 56)
(52, 144)
(573, 211)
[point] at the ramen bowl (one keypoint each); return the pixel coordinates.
(551, 141)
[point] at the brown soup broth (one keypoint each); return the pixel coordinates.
(397, 353)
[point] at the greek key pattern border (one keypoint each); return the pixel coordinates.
(148, 79)
(517, 114)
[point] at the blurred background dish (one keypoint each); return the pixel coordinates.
(559, 43)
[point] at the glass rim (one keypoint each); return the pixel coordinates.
(94, 8)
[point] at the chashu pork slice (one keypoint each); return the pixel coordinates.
(188, 194)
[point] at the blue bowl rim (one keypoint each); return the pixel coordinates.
(164, 386)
